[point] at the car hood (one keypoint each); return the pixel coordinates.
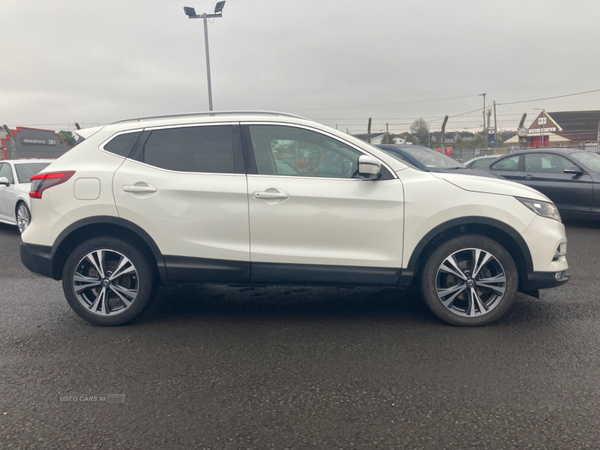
(466, 171)
(490, 185)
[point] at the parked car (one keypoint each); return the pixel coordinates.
(14, 189)
(568, 177)
(200, 198)
(476, 163)
(428, 160)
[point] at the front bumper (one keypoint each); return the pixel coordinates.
(37, 258)
(545, 280)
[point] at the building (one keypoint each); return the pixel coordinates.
(24, 142)
(561, 129)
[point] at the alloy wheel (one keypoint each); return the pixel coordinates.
(471, 282)
(23, 217)
(105, 282)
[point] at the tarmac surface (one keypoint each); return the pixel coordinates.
(220, 367)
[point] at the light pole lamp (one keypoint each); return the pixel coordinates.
(191, 13)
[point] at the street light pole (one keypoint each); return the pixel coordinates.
(210, 105)
(191, 13)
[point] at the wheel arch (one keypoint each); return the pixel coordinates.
(90, 227)
(499, 231)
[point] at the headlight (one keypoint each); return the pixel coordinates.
(544, 209)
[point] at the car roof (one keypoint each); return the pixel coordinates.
(557, 150)
(28, 161)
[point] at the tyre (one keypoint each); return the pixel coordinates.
(23, 216)
(470, 280)
(108, 281)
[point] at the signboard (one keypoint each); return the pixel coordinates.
(38, 141)
(542, 130)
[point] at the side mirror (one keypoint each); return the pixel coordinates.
(575, 170)
(369, 167)
(4, 180)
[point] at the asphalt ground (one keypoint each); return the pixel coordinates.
(221, 367)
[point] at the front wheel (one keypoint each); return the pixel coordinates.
(108, 281)
(469, 280)
(23, 216)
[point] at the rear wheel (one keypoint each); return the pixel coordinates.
(23, 216)
(469, 281)
(108, 281)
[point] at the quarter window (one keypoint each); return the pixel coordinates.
(191, 149)
(508, 164)
(281, 150)
(122, 144)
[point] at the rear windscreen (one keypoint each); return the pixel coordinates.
(26, 171)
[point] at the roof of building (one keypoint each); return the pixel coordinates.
(578, 125)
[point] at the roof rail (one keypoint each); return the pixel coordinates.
(210, 113)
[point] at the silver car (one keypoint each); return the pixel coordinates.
(14, 189)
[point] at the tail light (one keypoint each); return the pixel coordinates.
(43, 181)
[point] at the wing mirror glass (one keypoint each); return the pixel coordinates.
(369, 167)
(573, 169)
(4, 180)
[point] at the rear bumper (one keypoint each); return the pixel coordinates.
(545, 280)
(37, 258)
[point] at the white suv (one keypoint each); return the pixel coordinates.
(269, 198)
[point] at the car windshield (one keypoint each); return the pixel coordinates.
(26, 171)
(429, 158)
(591, 160)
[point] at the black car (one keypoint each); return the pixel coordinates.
(568, 177)
(428, 160)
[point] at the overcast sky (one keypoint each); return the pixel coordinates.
(338, 62)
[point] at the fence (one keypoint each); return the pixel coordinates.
(470, 153)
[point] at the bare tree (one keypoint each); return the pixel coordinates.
(419, 127)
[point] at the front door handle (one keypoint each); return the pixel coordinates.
(528, 176)
(139, 189)
(268, 195)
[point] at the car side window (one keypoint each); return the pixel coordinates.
(6, 171)
(122, 144)
(508, 164)
(478, 163)
(207, 149)
(546, 163)
(291, 151)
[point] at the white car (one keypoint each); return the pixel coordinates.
(211, 198)
(14, 189)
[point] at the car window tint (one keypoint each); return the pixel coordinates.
(479, 162)
(399, 157)
(281, 150)
(122, 144)
(545, 163)
(509, 164)
(26, 171)
(591, 160)
(191, 149)
(6, 171)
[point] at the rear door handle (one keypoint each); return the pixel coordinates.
(270, 195)
(137, 189)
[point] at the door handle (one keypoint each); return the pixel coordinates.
(139, 189)
(528, 176)
(270, 195)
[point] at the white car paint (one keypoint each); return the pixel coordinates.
(283, 219)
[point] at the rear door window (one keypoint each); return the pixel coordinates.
(207, 149)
